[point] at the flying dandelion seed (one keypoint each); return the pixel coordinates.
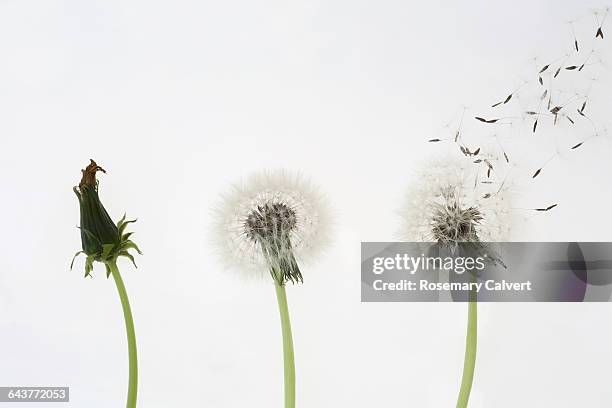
(576, 46)
(545, 103)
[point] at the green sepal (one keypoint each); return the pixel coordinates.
(129, 256)
(108, 253)
(75, 257)
(89, 265)
(125, 245)
(283, 269)
(122, 224)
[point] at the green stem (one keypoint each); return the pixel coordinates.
(288, 354)
(131, 337)
(469, 362)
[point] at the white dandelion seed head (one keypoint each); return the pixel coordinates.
(273, 220)
(452, 201)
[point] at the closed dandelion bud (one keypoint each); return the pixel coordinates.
(97, 228)
(104, 241)
(101, 239)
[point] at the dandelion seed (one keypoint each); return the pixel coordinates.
(574, 36)
(577, 145)
(537, 173)
(486, 120)
(550, 207)
(600, 24)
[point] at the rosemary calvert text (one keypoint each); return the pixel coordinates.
(425, 285)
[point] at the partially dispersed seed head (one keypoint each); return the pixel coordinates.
(452, 201)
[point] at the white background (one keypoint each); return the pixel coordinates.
(179, 99)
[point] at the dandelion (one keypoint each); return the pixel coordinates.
(268, 227)
(452, 204)
(454, 201)
(104, 241)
